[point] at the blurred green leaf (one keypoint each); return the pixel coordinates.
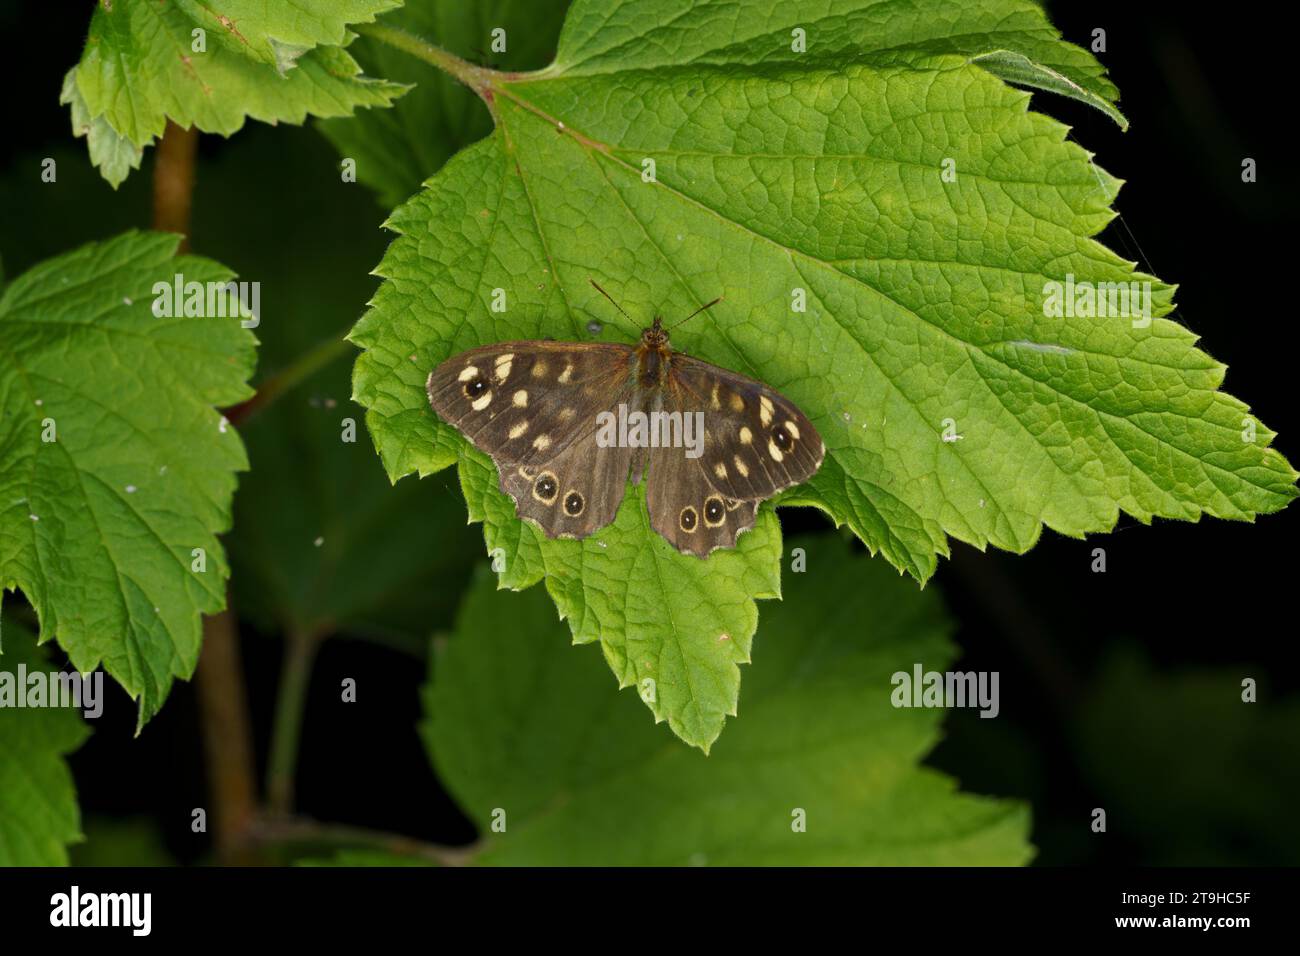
(129, 841)
(399, 148)
(391, 561)
(518, 724)
(1188, 770)
(39, 817)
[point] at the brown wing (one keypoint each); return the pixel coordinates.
(526, 402)
(571, 494)
(689, 511)
(757, 442)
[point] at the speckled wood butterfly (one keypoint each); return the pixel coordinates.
(565, 422)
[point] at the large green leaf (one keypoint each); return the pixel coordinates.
(273, 62)
(39, 817)
(115, 465)
(519, 725)
(951, 404)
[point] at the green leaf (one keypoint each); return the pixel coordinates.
(114, 462)
(273, 62)
(518, 724)
(39, 817)
(950, 403)
(399, 148)
(654, 613)
(112, 154)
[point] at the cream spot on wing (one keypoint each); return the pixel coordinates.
(765, 409)
(539, 368)
(503, 365)
(720, 470)
(566, 414)
(746, 436)
(542, 442)
(482, 402)
(774, 451)
(793, 429)
(566, 374)
(740, 467)
(468, 372)
(520, 399)
(518, 429)
(713, 398)
(737, 403)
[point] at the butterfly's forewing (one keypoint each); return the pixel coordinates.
(757, 442)
(523, 403)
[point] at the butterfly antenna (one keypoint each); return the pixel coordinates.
(610, 297)
(707, 305)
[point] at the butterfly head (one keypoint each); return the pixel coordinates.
(655, 337)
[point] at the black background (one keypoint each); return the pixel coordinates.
(1202, 93)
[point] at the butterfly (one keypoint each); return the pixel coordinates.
(566, 422)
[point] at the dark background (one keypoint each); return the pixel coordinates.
(1119, 690)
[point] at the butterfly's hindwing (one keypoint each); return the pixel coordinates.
(525, 402)
(687, 510)
(573, 493)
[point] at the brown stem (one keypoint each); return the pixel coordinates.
(227, 738)
(223, 705)
(173, 181)
(300, 830)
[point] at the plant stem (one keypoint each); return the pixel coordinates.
(290, 706)
(223, 707)
(298, 830)
(303, 367)
(227, 737)
(173, 181)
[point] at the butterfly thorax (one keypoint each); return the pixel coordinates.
(652, 356)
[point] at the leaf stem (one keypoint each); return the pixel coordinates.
(477, 78)
(290, 706)
(303, 367)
